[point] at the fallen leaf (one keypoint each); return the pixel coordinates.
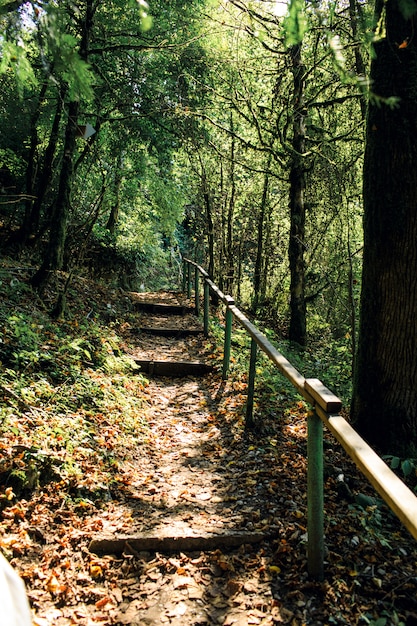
(102, 602)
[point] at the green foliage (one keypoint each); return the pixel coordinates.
(295, 23)
(74, 71)
(24, 341)
(146, 20)
(373, 521)
(326, 359)
(393, 102)
(11, 161)
(387, 618)
(64, 379)
(46, 33)
(405, 468)
(14, 59)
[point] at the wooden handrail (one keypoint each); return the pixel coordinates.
(400, 499)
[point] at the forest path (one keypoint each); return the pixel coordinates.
(198, 489)
(95, 451)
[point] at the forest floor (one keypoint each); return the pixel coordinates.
(121, 493)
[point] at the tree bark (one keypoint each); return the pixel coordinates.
(115, 207)
(257, 274)
(298, 326)
(31, 167)
(384, 406)
(54, 256)
(210, 225)
(32, 219)
(229, 249)
(354, 15)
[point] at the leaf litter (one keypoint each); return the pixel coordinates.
(97, 450)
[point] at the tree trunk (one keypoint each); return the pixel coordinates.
(222, 238)
(257, 274)
(298, 328)
(45, 175)
(24, 232)
(354, 16)
(54, 256)
(230, 262)
(115, 207)
(210, 225)
(384, 404)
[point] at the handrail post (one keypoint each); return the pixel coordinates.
(197, 291)
(315, 497)
(206, 308)
(249, 423)
(184, 275)
(227, 337)
(189, 281)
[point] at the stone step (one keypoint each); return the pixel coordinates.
(175, 369)
(163, 309)
(179, 333)
(150, 543)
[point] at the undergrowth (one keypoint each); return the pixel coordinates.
(73, 416)
(65, 386)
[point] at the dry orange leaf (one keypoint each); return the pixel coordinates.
(102, 602)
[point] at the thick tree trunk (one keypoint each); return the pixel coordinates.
(31, 170)
(384, 404)
(33, 218)
(298, 326)
(54, 255)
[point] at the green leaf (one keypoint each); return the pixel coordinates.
(395, 462)
(295, 23)
(407, 467)
(14, 59)
(146, 22)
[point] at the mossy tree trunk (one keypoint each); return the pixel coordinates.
(384, 404)
(298, 329)
(260, 242)
(54, 255)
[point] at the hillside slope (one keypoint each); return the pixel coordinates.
(90, 447)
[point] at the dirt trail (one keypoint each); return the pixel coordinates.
(200, 479)
(167, 475)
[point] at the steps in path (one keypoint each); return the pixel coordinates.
(171, 319)
(175, 369)
(188, 410)
(163, 309)
(191, 514)
(163, 331)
